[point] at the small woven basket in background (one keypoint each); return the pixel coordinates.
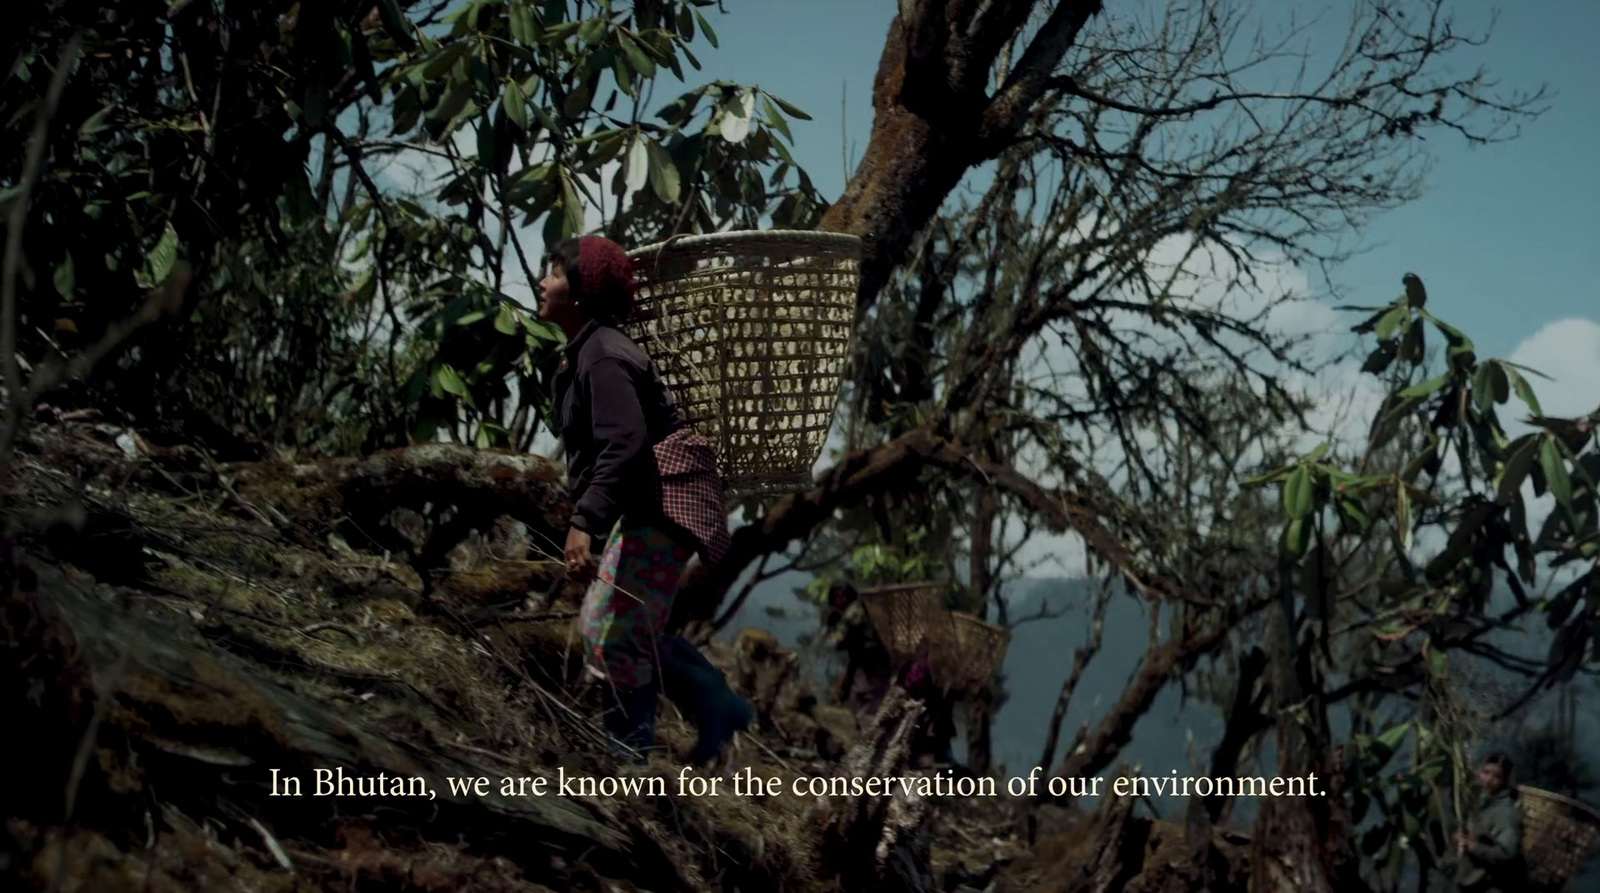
(912, 622)
(903, 615)
(1559, 835)
(751, 331)
(970, 654)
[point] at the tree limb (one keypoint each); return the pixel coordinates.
(1031, 76)
(15, 222)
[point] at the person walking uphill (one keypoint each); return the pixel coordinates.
(645, 485)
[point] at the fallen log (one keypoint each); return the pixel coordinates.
(458, 489)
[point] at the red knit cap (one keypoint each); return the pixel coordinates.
(605, 274)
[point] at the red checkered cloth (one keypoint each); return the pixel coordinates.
(692, 493)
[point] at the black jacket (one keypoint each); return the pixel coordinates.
(611, 408)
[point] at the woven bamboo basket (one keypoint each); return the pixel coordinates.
(1559, 835)
(751, 331)
(968, 656)
(912, 622)
(903, 615)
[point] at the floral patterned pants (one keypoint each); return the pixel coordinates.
(627, 606)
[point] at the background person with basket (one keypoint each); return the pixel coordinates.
(645, 484)
(905, 637)
(865, 657)
(1489, 851)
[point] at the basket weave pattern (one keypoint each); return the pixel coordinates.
(1558, 836)
(751, 331)
(912, 622)
(902, 616)
(973, 654)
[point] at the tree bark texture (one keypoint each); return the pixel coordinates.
(1300, 844)
(935, 116)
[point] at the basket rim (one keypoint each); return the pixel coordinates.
(1541, 794)
(797, 237)
(974, 619)
(898, 587)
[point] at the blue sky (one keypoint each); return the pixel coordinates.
(1506, 236)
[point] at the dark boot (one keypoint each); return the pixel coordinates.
(631, 720)
(701, 691)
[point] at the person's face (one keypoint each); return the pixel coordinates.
(556, 304)
(1491, 778)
